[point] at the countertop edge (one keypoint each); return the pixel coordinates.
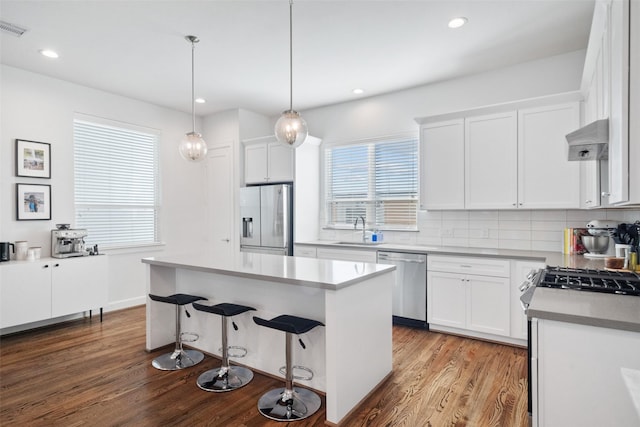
(583, 320)
(286, 280)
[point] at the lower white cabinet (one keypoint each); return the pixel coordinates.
(469, 294)
(25, 292)
(304, 251)
(347, 254)
(584, 375)
(31, 291)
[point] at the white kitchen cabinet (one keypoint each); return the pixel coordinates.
(546, 178)
(78, 284)
(50, 287)
(584, 375)
(347, 254)
(491, 159)
(513, 158)
(305, 251)
(613, 54)
(267, 162)
(442, 165)
(25, 292)
(470, 295)
(519, 272)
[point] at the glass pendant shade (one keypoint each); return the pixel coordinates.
(291, 129)
(192, 147)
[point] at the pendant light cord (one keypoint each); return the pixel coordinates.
(193, 95)
(291, 55)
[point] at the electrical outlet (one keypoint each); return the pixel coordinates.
(485, 233)
(447, 232)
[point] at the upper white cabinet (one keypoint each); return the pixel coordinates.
(507, 159)
(546, 179)
(443, 180)
(491, 159)
(267, 161)
(613, 55)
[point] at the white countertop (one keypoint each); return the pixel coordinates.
(311, 272)
(586, 308)
(550, 258)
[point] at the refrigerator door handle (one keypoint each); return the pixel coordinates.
(247, 227)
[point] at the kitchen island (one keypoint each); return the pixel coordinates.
(350, 356)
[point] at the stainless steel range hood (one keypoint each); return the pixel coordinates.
(590, 142)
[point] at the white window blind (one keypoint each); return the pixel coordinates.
(377, 180)
(116, 184)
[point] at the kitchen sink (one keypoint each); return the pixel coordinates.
(359, 243)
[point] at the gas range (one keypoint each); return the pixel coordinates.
(606, 281)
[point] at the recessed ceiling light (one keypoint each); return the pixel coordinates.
(457, 22)
(48, 53)
(358, 91)
(200, 100)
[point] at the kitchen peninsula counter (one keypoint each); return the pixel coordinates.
(350, 356)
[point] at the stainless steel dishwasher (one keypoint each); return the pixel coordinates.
(410, 289)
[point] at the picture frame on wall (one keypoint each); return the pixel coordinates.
(33, 159)
(33, 202)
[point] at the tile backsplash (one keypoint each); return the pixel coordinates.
(538, 230)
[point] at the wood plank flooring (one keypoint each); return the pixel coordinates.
(89, 373)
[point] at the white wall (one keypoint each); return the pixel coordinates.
(395, 113)
(39, 108)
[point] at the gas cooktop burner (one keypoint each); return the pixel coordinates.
(613, 282)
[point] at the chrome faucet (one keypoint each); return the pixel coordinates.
(355, 227)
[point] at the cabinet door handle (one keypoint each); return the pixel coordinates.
(513, 204)
(587, 202)
(605, 194)
(57, 265)
(225, 240)
(45, 266)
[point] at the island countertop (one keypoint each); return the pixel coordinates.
(310, 272)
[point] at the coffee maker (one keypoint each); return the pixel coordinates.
(66, 242)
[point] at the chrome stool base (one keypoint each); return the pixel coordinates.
(179, 359)
(302, 403)
(220, 379)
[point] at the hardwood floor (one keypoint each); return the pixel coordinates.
(89, 373)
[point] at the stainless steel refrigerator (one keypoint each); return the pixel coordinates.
(266, 214)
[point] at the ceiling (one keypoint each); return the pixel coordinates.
(137, 48)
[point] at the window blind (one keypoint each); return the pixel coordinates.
(377, 180)
(116, 184)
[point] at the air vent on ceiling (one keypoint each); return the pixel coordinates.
(12, 29)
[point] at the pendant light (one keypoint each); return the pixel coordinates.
(192, 147)
(291, 129)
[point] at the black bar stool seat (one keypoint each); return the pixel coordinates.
(179, 358)
(226, 377)
(289, 403)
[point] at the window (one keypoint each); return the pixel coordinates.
(377, 180)
(116, 183)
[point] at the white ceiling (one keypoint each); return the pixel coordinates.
(137, 48)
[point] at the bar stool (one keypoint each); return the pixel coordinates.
(289, 403)
(179, 358)
(225, 378)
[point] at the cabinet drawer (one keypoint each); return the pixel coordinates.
(469, 265)
(347, 254)
(305, 251)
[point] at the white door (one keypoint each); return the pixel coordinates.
(446, 299)
(488, 304)
(548, 180)
(442, 163)
(221, 233)
(491, 156)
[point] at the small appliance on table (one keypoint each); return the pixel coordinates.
(599, 243)
(67, 242)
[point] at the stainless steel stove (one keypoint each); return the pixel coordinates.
(612, 282)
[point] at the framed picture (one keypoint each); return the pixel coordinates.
(33, 159)
(33, 201)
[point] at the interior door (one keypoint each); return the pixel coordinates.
(220, 198)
